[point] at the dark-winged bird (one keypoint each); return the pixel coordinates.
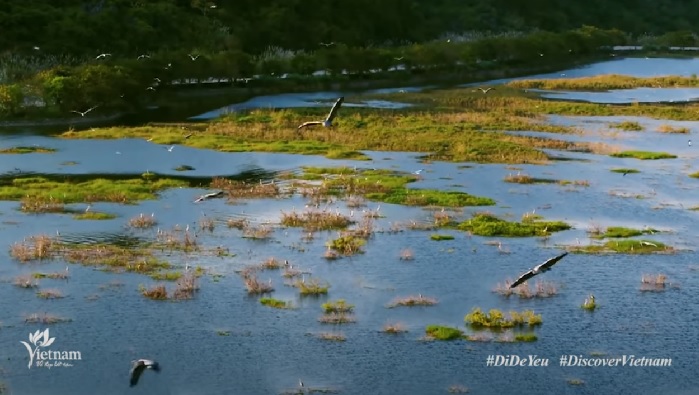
(209, 196)
(137, 368)
(541, 268)
(329, 120)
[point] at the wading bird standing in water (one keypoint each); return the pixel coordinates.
(541, 268)
(137, 368)
(329, 120)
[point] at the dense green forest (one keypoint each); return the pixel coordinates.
(133, 27)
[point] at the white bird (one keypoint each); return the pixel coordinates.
(300, 383)
(156, 79)
(150, 88)
(330, 44)
(144, 56)
(88, 208)
(137, 368)
(329, 119)
(648, 243)
(689, 143)
(399, 59)
(541, 268)
(171, 148)
(209, 196)
(417, 172)
(193, 57)
(82, 113)
(485, 90)
(103, 55)
(36, 48)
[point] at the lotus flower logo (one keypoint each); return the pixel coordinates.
(38, 339)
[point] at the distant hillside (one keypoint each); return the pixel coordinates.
(131, 27)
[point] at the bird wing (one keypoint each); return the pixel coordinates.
(336, 107)
(310, 123)
(552, 261)
(524, 277)
(77, 112)
(136, 371)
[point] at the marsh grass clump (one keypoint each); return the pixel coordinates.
(653, 282)
(347, 245)
(255, 286)
(94, 216)
(441, 332)
(339, 306)
(316, 220)
(242, 190)
(238, 223)
(177, 240)
(312, 287)
(622, 232)
(575, 382)
(410, 301)
(275, 303)
(261, 232)
(525, 337)
(26, 281)
(143, 221)
(629, 126)
(27, 150)
(624, 247)
(156, 292)
(41, 204)
(542, 289)
(331, 336)
(589, 303)
(394, 328)
(336, 318)
(457, 389)
(526, 179)
(272, 264)
(644, 155)
(45, 318)
(486, 224)
(441, 237)
(135, 259)
(50, 294)
(672, 129)
(207, 224)
(429, 197)
(495, 319)
(406, 254)
(187, 285)
(34, 248)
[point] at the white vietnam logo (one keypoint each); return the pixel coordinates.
(38, 339)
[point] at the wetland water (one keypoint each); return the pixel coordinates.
(225, 342)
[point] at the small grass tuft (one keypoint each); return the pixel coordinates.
(143, 221)
(589, 303)
(440, 237)
(394, 328)
(26, 281)
(410, 301)
(625, 170)
(495, 319)
(50, 294)
(156, 292)
(312, 287)
(94, 215)
(27, 150)
(275, 303)
(441, 332)
(644, 155)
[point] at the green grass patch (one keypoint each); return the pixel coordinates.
(526, 337)
(439, 237)
(80, 189)
(629, 126)
(625, 170)
(430, 197)
(486, 224)
(496, 319)
(624, 247)
(644, 155)
(441, 332)
(275, 303)
(339, 306)
(347, 245)
(94, 215)
(27, 150)
(166, 276)
(605, 82)
(620, 232)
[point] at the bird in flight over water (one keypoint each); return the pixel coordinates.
(538, 269)
(82, 113)
(329, 119)
(137, 368)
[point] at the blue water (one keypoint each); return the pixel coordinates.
(267, 351)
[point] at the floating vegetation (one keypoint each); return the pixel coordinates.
(187, 286)
(339, 306)
(316, 220)
(526, 179)
(495, 319)
(156, 292)
(26, 281)
(242, 190)
(655, 283)
(439, 237)
(276, 303)
(207, 224)
(643, 155)
(457, 389)
(406, 254)
(394, 328)
(672, 129)
(45, 318)
(575, 382)
(94, 215)
(255, 286)
(332, 336)
(410, 301)
(347, 245)
(525, 337)
(624, 247)
(50, 294)
(486, 224)
(81, 189)
(143, 221)
(589, 303)
(34, 204)
(629, 126)
(430, 197)
(261, 232)
(542, 289)
(237, 223)
(312, 287)
(621, 232)
(336, 318)
(440, 332)
(27, 150)
(184, 168)
(223, 333)
(34, 248)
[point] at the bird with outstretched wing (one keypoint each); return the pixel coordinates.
(329, 120)
(541, 268)
(137, 368)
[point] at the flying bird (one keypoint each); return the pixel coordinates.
(137, 368)
(193, 57)
(144, 56)
(485, 90)
(330, 44)
(329, 120)
(103, 55)
(541, 268)
(209, 196)
(172, 147)
(417, 172)
(150, 88)
(689, 143)
(82, 113)
(399, 59)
